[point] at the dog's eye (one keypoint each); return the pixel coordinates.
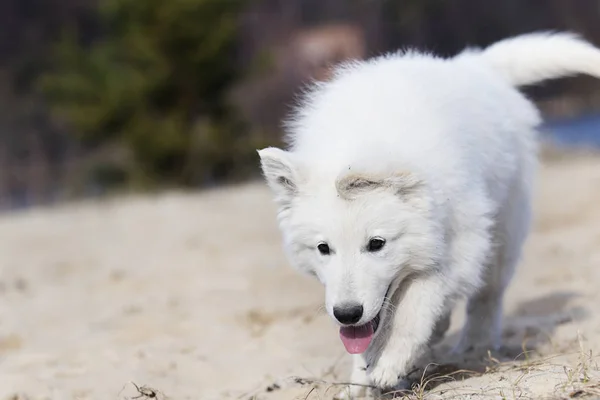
(323, 248)
(375, 244)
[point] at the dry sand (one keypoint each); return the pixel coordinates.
(190, 294)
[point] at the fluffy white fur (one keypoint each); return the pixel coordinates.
(437, 157)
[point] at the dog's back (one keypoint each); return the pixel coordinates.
(461, 114)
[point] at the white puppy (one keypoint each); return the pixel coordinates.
(408, 185)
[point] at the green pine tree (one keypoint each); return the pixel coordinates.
(155, 83)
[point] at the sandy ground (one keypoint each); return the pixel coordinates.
(190, 295)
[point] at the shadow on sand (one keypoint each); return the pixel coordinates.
(529, 327)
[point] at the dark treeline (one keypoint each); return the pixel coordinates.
(111, 94)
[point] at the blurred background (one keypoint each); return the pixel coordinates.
(105, 96)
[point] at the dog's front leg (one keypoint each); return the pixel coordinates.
(359, 380)
(418, 304)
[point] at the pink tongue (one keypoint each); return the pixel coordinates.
(356, 339)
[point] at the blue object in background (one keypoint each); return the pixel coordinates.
(583, 131)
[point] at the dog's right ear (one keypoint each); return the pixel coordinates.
(280, 172)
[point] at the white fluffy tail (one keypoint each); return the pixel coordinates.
(534, 57)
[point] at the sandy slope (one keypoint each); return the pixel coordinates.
(191, 295)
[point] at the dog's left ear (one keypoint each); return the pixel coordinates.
(280, 172)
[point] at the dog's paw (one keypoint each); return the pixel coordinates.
(400, 391)
(345, 394)
(351, 392)
(474, 346)
(387, 374)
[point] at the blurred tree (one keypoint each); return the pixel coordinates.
(155, 83)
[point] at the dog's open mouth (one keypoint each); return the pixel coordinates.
(356, 339)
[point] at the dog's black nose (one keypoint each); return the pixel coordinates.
(348, 313)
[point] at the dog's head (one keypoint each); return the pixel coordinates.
(358, 231)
